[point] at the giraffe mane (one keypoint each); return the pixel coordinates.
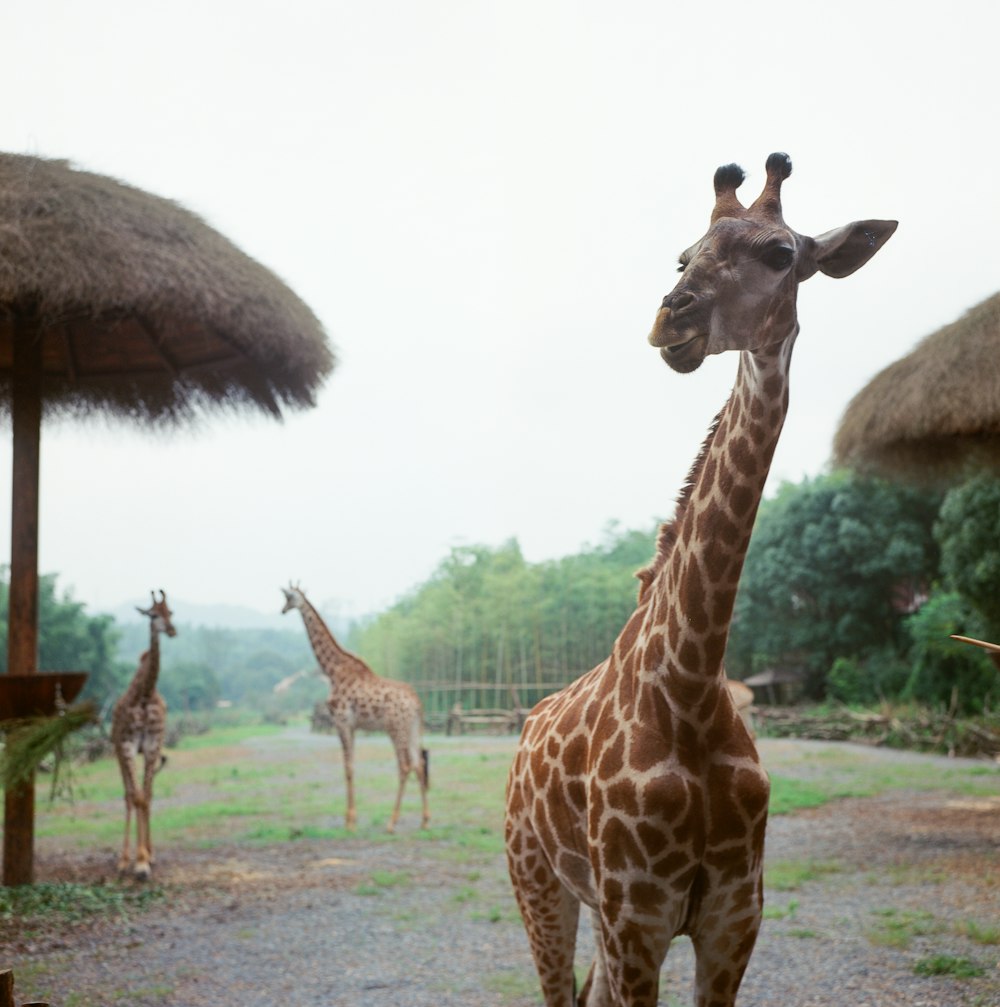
(667, 536)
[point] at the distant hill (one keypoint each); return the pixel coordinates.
(221, 616)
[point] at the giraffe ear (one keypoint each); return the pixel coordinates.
(840, 252)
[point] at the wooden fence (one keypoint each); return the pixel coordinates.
(462, 707)
(459, 707)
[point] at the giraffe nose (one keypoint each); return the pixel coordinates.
(679, 302)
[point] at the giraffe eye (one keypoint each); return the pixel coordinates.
(779, 257)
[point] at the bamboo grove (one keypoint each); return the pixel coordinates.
(488, 625)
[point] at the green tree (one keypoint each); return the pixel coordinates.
(831, 567)
(244, 664)
(488, 621)
(191, 685)
(68, 638)
(968, 530)
(944, 671)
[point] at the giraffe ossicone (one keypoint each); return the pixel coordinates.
(138, 726)
(637, 790)
(360, 699)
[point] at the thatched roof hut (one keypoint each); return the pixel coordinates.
(145, 311)
(117, 302)
(935, 411)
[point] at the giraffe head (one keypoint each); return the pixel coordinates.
(294, 598)
(159, 615)
(739, 282)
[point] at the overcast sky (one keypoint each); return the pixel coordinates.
(484, 204)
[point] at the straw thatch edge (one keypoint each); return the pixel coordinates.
(81, 253)
(935, 413)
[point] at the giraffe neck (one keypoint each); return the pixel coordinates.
(149, 667)
(692, 596)
(336, 663)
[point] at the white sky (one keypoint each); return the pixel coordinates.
(484, 203)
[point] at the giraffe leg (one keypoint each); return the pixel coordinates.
(126, 762)
(410, 759)
(347, 744)
(633, 954)
(722, 947)
(144, 853)
(125, 859)
(550, 913)
(423, 775)
(394, 817)
(142, 869)
(596, 992)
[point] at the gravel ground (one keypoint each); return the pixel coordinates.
(382, 924)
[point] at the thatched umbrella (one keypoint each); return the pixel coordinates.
(118, 302)
(936, 411)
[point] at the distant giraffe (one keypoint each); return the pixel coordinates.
(637, 790)
(361, 699)
(138, 723)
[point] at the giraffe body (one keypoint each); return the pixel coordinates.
(637, 791)
(138, 726)
(360, 699)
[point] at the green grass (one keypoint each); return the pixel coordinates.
(781, 912)
(897, 929)
(70, 903)
(125, 997)
(513, 986)
(380, 882)
(948, 965)
(267, 784)
(979, 933)
(232, 735)
(809, 779)
(789, 875)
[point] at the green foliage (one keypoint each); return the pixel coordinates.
(487, 617)
(191, 685)
(68, 638)
(948, 965)
(943, 670)
(69, 902)
(868, 680)
(897, 928)
(829, 564)
(202, 665)
(980, 933)
(27, 743)
(790, 875)
(968, 530)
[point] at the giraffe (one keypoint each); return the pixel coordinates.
(637, 790)
(138, 723)
(361, 699)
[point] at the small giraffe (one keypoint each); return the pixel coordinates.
(637, 790)
(361, 699)
(138, 723)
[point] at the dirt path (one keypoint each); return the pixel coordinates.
(879, 884)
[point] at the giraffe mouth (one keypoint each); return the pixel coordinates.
(687, 356)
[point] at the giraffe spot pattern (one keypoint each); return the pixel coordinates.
(641, 790)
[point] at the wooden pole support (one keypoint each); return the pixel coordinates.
(22, 640)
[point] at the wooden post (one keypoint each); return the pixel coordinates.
(22, 625)
(6, 988)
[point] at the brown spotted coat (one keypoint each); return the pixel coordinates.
(360, 699)
(138, 726)
(637, 791)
